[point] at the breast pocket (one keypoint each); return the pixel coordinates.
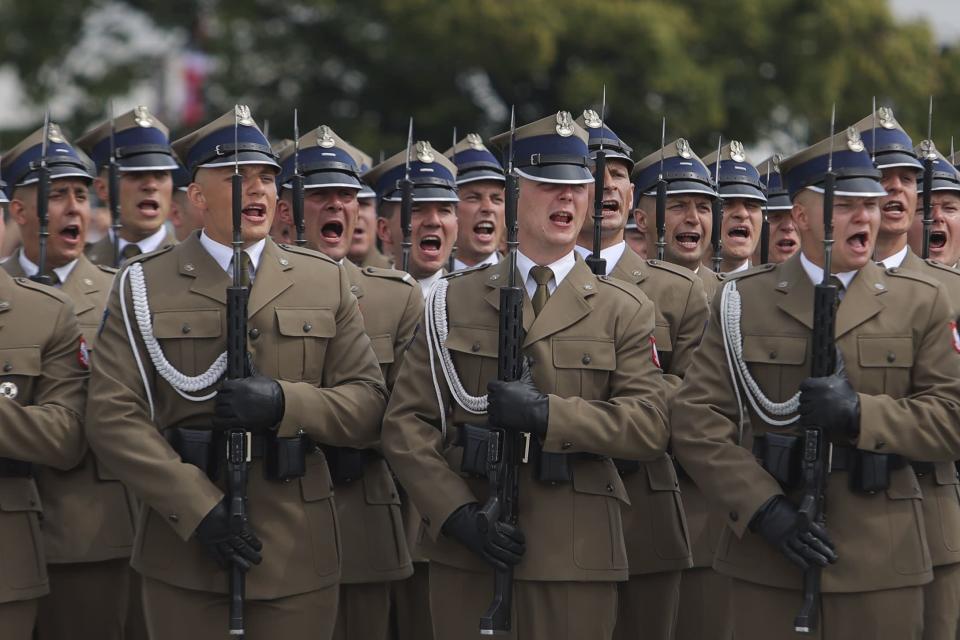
(190, 338)
(885, 364)
(475, 355)
(583, 366)
(19, 369)
(304, 334)
(775, 362)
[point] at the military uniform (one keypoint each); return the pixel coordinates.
(591, 350)
(304, 332)
(893, 331)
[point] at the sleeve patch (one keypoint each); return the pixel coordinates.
(655, 355)
(83, 354)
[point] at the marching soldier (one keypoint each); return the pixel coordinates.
(364, 251)
(480, 210)
(738, 417)
(141, 147)
(593, 389)
(784, 241)
(688, 213)
(158, 405)
(945, 231)
(184, 217)
(43, 384)
(635, 238)
(434, 219)
(368, 502)
(654, 526)
(741, 192)
(88, 515)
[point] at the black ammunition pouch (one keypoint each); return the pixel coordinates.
(627, 467)
(475, 442)
(923, 468)
(551, 468)
(203, 448)
(10, 468)
(347, 464)
(284, 459)
(782, 457)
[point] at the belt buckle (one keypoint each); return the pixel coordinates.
(829, 456)
(526, 447)
(247, 444)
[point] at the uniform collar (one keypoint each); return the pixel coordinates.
(30, 269)
(560, 269)
(896, 259)
(815, 273)
(148, 244)
(223, 255)
(493, 258)
(611, 254)
(427, 283)
(743, 267)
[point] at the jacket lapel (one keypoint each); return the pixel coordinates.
(272, 279)
(497, 278)
(630, 267)
(81, 285)
(566, 306)
(862, 299)
(208, 279)
(796, 292)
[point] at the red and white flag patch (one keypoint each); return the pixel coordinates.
(654, 354)
(83, 354)
(954, 336)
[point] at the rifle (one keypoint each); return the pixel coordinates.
(597, 264)
(113, 189)
(662, 196)
(297, 184)
(43, 197)
(238, 440)
(765, 225)
(451, 260)
(505, 447)
(406, 205)
(929, 156)
(816, 449)
(716, 232)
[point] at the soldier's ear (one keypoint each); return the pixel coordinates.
(383, 230)
(640, 217)
(100, 187)
(17, 213)
(799, 215)
(196, 197)
(284, 212)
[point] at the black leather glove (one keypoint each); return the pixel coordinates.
(518, 405)
(255, 404)
(502, 547)
(831, 403)
(780, 524)
(241, 548)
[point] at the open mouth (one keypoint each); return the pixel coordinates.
(255, 212)
(938, 239)
(893, 207)
(332, 230)
(786, 244)
(149, 207)
(484, 230)
(430, 245)
(740, 232)
(610, 206)
(688, 239)
(858, 241)
(71, 232)
(561, 218)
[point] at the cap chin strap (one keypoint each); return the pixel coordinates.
(435, 317)
(769, 411)
(180, 382)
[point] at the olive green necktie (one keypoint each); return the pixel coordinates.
(245, 269)
(541, 275)
(838, 283)
(129, 251)
(55, 279)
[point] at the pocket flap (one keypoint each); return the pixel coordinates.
(306, 322)
(584, 353)
(316, 483)
(599, 477)
(19, 494)
(885, 351)
(378, 486)
(193, 323)
(775, 349)
(904, 485)
(21, 361)
(945, 473)
(481, 341)
(661, 475)
(383, 348)
(661, 333)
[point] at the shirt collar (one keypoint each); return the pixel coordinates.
(560, 269)
(493, 258)
(427, 283)
(224, 254)
(148, 244)
(896, 259)
(815, 273)
(611, 254)
(31, 269)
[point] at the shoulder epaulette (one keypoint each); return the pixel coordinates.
(672, 268)
(306, 252)
(626, 287)
(752, 271)
(106, 269)
(146, 256)
(463, 272)
(390, 274)
(911, 275)
(54, 293)
(942, 267)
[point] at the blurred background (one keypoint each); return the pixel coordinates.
(762, 71)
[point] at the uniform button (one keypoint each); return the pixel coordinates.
(173, 517)
(880, 444)
(188, 267)
(426, 520)
(734, 516)
(307, 326)
(609, 488)
(185, 328)
(586, 358)
(33, 502)
(566, 445)
(354, 288)
(7, 366)
(475, 347)
(891, 356)
(773, 355)
(284, 262)
(254, 333)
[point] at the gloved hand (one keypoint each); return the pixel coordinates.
(780, 524)
(503, 547)
(255, 404)
(518, 405)
(831, 403)
(241, 548)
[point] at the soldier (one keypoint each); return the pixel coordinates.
(635, 238)
(741, 192)
(480, 210)
(654, 527)
(784, 241)
(368, 502)
(184, 217)
(364, 251)
(88, 515)
(593, 389)
(43, 385)
(141, 146)
(158, 406)
(434, 219)
(738, 413)
(688, 214)
(945, 231)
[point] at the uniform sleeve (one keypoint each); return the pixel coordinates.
(122, 435)
(931, 409)
(412, 314)
(703, 418)
(632, 422)
(413, 444)
(48, 431)
(347, 408)
(690, 329)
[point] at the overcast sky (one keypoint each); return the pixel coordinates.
(944, 15)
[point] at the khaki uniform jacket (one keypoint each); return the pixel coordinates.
(88, 516)
(711, 281)
(43, 383)
(592, 352)
(893, 329)
(101, 251)
(941, 492)
(654, 525)
(376, 259)
(305, 331)
(374, 540)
